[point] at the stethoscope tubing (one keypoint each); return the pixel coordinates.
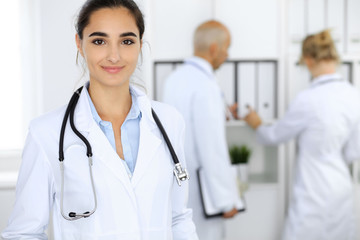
(72, 215)
(70, 110)
(166, 138)
(180, 173)
(88, 146)
(63, 125)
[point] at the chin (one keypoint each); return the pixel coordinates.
(113, 82)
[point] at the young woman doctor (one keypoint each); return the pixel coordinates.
(325, 118)
(130, 191)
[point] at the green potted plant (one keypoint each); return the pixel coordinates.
(240, 156)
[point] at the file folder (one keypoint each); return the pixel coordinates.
(208, 207)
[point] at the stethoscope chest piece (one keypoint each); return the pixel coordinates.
(179, 173)
(69, 113)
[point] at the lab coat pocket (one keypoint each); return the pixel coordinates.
(78, 192)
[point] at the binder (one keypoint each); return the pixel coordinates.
(266, 89)
(246, 91)
(208, 208)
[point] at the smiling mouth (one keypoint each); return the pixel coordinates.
(112, 69)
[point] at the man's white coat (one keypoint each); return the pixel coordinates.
(193, 90)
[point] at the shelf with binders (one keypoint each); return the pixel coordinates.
(254, 83)
(250, 83)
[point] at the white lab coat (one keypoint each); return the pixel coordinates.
(150, 206)
(325, 118)
(193, 90)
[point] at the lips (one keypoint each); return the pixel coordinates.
(112, 69)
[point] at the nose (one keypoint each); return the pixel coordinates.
(113, 55)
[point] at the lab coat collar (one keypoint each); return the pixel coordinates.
(144, 103)
(149, 141)
(134, 112)
(325, 78)
(83, 115)
(149, 144)
(202, 65)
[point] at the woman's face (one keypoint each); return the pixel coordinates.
(110, 46)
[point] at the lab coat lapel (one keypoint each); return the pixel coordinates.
(83, 118)
(103, 151)
(149, 139)
(101, 148)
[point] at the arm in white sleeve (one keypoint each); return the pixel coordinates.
(210, 139)
(30, 216)
(294, 121)
(182, 224)
(352, 147)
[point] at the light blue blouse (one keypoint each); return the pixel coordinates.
(130, 132)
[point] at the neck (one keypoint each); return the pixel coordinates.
(206, 57)
(111, 103)
(323, 68)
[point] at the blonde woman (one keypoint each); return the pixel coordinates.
(325, 120)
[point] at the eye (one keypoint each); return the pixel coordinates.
(128, 42)
(98, 42)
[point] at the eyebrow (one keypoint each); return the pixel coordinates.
(102, 34)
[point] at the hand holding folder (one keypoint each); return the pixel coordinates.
(209, 209)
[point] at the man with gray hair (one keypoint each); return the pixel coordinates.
(193, 90)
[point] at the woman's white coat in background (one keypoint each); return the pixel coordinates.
(193, 90)
(325, 118)
(149, 206)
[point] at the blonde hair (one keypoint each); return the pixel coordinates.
(319, 47)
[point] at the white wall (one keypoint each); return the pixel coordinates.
(251, 25)
(59, 73)
(173, 24)
(261, 29)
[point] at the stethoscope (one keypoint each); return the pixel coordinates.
(180, 173)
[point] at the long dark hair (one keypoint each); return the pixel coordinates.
(91, 6)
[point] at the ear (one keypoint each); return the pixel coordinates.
(309, 62)
(79, 44)
(213, 49)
